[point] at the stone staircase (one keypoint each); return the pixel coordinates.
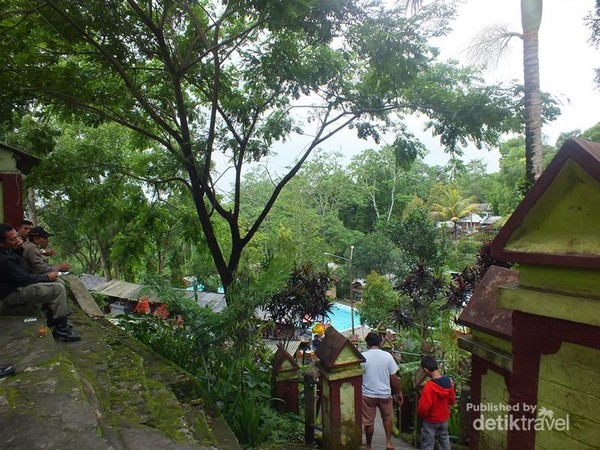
(107, 391)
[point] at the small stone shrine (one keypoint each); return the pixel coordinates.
(554, 237)
(341, 378)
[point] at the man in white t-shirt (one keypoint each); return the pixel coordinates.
(380, 384)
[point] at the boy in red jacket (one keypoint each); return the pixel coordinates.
(434, 406)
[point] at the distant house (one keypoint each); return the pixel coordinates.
(470, 222)
(484, 220)
(357, 289)
(489, 221)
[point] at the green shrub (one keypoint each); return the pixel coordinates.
(225, 352)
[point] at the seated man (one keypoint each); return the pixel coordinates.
(34, 253)
(25, 229)
(18, 286)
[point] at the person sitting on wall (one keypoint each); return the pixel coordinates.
(18, 286)
(34, 253)
(24, 229)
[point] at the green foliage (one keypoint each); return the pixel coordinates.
(375, 252)
(204, 83)
(450, 205)
(464, 253)
(303, 296)
(224, 351)
(421, 294)
(511, 178)
(419, 241)
(105, 219)
(379, 299)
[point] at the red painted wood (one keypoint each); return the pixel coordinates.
(12, 196)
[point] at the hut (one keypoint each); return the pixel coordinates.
(14, 166)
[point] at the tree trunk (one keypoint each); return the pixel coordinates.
(104, 260)
(32, 211)
(531, 17)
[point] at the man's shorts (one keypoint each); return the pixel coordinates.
(369, 410)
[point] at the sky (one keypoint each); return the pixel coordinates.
(567, 63)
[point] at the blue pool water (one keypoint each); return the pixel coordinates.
(341, 317)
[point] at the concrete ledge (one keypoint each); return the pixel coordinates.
(106, 391)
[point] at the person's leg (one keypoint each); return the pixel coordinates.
(443, 436)
(369, 406)
(427, 435)
(54, 294)
(386, 409)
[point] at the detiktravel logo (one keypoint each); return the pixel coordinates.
(517, 417)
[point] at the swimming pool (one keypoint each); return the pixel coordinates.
(341, 317)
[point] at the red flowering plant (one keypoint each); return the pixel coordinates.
(143, 306)
(162, 311)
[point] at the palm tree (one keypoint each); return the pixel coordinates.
(531, 17)
(453, 207)
(489, 46)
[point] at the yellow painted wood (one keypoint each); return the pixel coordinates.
(566, 374)
(347, 398)
(340, 373)
(578, 356)
(7, 162)
(347, 355)
(493, 341)
(583, 282)
(581, 429)
(568, 386)
(549, 304)
(494, 392)
(557, 395)
(495, 356)
(565, 218)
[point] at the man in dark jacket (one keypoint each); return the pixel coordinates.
(18, 286)
(434, 406)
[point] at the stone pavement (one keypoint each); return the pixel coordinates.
(379, 438)
(107, 391)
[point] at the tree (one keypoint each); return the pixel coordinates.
(375, 252)
(592, 20)
(531, 18)
(474, 182)
(419, 241)
(449, 205)
(109, 222)
(508, 186)
(198, 80)
(303, 299)
(421, 294)
(378, 301)
(489, 45)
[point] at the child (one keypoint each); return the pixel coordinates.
(434, 406)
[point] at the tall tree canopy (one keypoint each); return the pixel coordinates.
(206, 81)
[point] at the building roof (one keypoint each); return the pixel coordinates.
(481, 312)
(471, 218)
(132, 292)
(557, 221)
(25, 161)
